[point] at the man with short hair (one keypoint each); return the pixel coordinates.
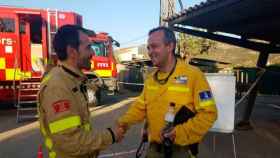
(64, 99)
(175, 83)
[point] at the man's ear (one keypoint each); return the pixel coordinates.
(71, 51)
(171, 46)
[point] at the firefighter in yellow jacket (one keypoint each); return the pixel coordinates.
(173, 81)
(64, 100)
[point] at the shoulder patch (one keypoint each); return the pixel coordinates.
(61, 106)
(205, 95)
(206, 99)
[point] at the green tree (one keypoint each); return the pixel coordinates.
(190, 46)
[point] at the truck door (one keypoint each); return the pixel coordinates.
(9, 46)
(24, 37)
(31, 44)
(37, 62)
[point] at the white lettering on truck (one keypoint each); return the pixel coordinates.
(6, 41)
(8, 44)
(103, 65)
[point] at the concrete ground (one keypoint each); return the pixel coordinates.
(263, 141)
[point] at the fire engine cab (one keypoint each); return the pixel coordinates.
(103, 63)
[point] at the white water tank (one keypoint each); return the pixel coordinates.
(223, 89)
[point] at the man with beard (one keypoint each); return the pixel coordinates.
(63, 100)
(175, 85)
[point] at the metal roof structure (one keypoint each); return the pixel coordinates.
(255, 23)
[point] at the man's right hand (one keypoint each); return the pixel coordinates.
(119, 132)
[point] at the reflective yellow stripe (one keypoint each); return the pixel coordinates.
(45, 79)
(12, 74)
(178, 89)
(63, 124)
(26, 74)
(43, 131)
(16, 74)
(52, 154)
(87, 127)
(48, 143)
(152, 87)
(206, 103)
(2, 63)
(104, 73)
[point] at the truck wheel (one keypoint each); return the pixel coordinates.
(98, 97)
(116, 89)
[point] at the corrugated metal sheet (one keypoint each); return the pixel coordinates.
(251, 19)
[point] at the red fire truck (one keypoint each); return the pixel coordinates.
(26, 46)
(103, 63)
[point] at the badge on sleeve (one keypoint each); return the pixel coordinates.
(206, 98)
(205, 95)
(61, 106)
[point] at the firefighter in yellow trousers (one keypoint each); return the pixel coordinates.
(173, 82)
(64, 99)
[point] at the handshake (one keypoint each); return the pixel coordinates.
(119, 132)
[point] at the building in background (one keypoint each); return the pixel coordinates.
(129, 54)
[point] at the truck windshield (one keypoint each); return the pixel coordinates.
(99, 49)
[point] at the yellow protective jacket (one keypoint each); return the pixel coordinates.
(65, 117)
(186, 86)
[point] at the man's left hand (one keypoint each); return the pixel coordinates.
(170, 134)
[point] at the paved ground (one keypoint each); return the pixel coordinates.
(22, 140)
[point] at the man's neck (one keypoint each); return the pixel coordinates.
(168, 66)
(72, 67)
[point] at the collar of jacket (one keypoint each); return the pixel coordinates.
(74, 73)
(165, 80)
(181, 65)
